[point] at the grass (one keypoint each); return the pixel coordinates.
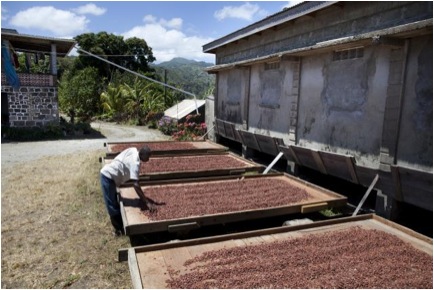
(55, 231)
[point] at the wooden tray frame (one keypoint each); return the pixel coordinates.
(322, 199)
(134, 255)
(207, 147)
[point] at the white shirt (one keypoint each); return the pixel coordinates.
(124, 167)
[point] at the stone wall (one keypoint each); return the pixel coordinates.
(32, 106)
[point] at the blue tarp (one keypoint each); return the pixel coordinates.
(11, 74)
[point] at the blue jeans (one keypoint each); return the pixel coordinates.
(109, 191)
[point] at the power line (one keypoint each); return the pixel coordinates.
(140, 75)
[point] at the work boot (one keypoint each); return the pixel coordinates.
(118, 225)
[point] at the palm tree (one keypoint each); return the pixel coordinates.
(114, 102)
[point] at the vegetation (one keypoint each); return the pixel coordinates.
(90, 88)
(191, 129)
(189, 75)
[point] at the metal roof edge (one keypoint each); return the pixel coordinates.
(16, 35)
(329, 43)
(268, 22)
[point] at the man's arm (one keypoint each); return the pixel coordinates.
(149, 204)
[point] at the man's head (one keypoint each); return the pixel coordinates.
(144, 153)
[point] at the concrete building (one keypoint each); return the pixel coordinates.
(30, 99)
(344, 88)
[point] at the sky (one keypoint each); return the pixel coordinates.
(170, 28)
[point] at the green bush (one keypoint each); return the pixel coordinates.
(167, 125)
(49, 132)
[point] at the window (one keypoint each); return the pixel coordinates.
(272, 65)
(351, 53)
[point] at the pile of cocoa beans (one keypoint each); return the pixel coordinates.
(154, 146)
(356, 258)
(212, 197)
(192, 163)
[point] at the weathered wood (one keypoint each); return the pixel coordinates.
(137, 223)
(339, 165)
(220, 127)
(199, 146)
(267, 144)
(245, 166)
(134, 269)
(175, 254)
(249, 140)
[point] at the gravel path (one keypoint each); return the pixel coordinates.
(14, 153)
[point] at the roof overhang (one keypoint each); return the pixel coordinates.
(281, 17)
(391, 36)
(24, 42)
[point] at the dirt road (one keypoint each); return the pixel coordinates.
(15, 153)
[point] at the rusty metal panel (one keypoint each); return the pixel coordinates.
(136, 222)
(152, 266)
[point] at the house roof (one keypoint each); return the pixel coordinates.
(183, 108)
(25, 42)
(278, 18)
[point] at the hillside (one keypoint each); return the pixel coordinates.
(188, 75)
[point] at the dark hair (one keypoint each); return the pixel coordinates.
(145, 152)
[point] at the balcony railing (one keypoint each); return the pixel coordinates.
(36, 80)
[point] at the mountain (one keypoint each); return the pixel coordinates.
(188, 75)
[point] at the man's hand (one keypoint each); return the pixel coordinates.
(151, 207)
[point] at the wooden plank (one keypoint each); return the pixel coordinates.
(134, 269)
(339, 165)
(365, 174)
(238, 136)
(174, 258)
(229, 129)
(177, 253)
(319, 163)
(267, 144)
(138, 223)
(153, 269)
(305, 157)
(249, 140)
(220, 127)
(289, 153)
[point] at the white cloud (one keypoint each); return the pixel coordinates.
(175, 23)
(168, 41)
(59, 22)
(4, 14)
(90, 9)
(291, 3)
(246, 11)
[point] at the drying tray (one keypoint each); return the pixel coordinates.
(240, 166)
(168, 147)
(137, 222)
(150, 265)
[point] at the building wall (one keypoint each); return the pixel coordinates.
(416, 126)
(32, 106)
(363, 100)
(342, 104)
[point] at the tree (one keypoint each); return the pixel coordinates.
(113, 103)
(79, 93)
(142, 98)
(133, 53)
